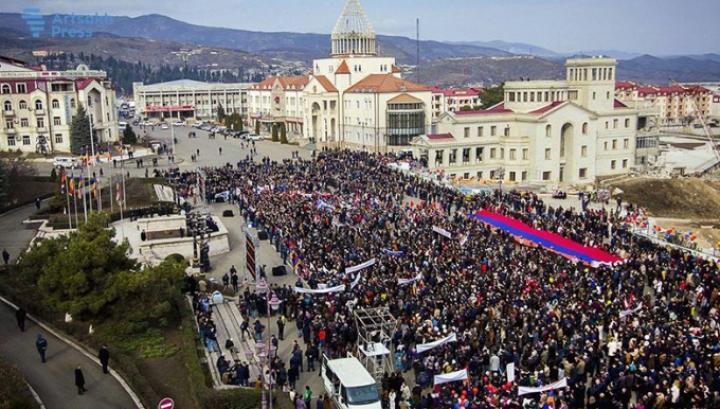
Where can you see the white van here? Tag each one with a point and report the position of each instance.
(67, 162)
(349, 384)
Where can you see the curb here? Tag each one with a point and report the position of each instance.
(35, 396)
(80, 349)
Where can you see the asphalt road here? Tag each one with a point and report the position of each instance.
(54, 381)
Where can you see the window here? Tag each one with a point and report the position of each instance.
(613, 165)
(594, 95)
(627, 122)
(585, 128)
(512, 176)
(23, 122)
(492, 153)
(466, 156)
(493, 130)
(55, 103)
(9, 124)
(583, 151)
(546, 175)
(607, 125)
(607, 95)
(22, 104)
(26, 139)
(439, 157)
(20, 88)
(614, 144)
(626, 143)
(548, 153)
(478, 154)
(479, 131)
(466, 175)
(625, 163)
(479, 175)
(615, 123)
(512, 154)
(11, 141)
(38, 104)
(467, 132)
(5, 89)
(58, 138)
(56, 121)
(605, 145)
(7, 105)
(41, 122)
(506, 132)
(524, 175)
(453, 156)
(525, 153)
(502, 153)
(582, 173)
(548, 130)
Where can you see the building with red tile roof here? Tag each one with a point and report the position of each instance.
(454, 99)
(37, 106)
(672, 104)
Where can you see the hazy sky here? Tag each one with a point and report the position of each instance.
(649, 26)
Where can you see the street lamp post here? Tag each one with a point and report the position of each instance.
(273, 302)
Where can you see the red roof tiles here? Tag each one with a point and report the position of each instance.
(440, 136)
(385, 83)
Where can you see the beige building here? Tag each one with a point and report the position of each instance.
(184, 99)
(353, 98)
(670, 105)
(568, 132)
(454, 99)
(38, 106)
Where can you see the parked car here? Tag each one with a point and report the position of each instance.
(65, 162)
(164, 126)
(240, 134)
(179, 123)
(254, 137)
(197, 124)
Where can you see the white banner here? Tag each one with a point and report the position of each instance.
(420, 348)
(406, 281)
(510, 371)
(356, 281)
(450, 377)
(337, 289)
(442, 232)
(625, 313)
(524, 390)
(360, 266)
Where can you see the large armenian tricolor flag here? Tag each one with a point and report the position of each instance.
(551, 241)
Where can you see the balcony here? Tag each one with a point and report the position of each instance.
(10, 131)
(9, 112)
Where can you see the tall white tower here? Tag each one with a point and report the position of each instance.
(353, 34)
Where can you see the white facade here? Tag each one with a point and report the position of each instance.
(38, 106)
(189, 99)
(451, 100)
(669, 105)
(353, 98)
(570, 131)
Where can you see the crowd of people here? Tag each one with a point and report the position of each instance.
(643, 334)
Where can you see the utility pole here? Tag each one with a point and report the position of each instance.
(417, 54)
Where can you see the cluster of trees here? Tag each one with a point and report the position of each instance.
(234, 122)
(279, 132)
(493, 95)
(124, 73)
(79, 131)
(129, 137)
(91, 277)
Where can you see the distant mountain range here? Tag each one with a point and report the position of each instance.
(155, 39)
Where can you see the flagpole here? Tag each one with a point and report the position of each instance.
(84, 197)
(124, 205)
(111, 178)
(67, 197)
(89, 179)
(75, 192)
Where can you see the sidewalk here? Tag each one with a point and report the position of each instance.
(54, 381)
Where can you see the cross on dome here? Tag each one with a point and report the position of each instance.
(353, 34)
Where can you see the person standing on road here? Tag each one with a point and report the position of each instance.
(41, 345)
(220, 150)
(80, 380)
(307, 396)
(104, 356)
(37, 203)
(6, 256)
(20, 316)
(234, 281)
(281, 326)
(197, 153)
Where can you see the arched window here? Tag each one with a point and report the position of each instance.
(72, 103)
(548, 130)
(585, 128)
(38, 104)
(5, 88)
(7, 106)
(22, 104)
(55, 103)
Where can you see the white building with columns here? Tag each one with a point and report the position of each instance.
(352, 98)
(550, 132)
(37, 106)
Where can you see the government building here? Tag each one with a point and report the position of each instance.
(38, 106)
(183, 99)
(547, 132)
(354, 98)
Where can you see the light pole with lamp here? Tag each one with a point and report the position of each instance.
(273, 302)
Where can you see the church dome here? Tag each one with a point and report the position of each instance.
(353, 34)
